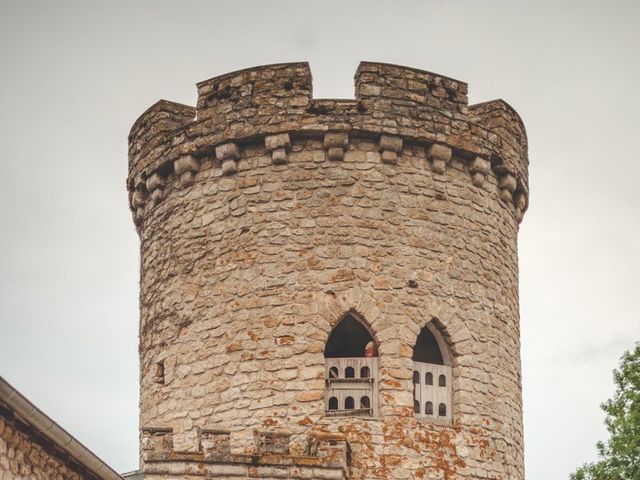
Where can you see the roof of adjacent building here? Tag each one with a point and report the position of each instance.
(26, 412)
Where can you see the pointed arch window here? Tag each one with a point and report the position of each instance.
(351, 369)
(432, 362)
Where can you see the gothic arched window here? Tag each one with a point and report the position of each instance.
(351, 350)
(431, 359)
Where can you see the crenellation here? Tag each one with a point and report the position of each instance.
(504, 122)
(327, 458)
(275, 100)
(156, 440)
(154, 128)
(272, 442)
(214, 441)
(235, 100)
(392, 87)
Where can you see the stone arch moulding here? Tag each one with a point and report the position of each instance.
(447, 330)
(333, 307)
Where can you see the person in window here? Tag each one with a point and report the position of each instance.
(370, 350)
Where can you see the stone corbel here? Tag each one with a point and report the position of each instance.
(228, 154)
(335, 144)
(185, 167)
(390, 146)
(507, 185)
(138, 199)
(520, 200)
(479, 169)
(154, 184)
(439, 155)
(279, 146)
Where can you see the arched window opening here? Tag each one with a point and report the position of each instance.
(428, 408)
(416, 377)
(416, 407)
(351, 369)
(431, 359)
(333, 403)
(348, 339)
(427, 349)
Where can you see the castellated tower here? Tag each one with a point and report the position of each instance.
(329, 288)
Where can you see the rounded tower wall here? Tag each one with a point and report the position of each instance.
(264, 220)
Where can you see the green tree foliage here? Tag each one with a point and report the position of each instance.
(620, 455)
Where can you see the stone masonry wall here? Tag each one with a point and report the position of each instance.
(22, 458)
(271, 215)
(271, 459)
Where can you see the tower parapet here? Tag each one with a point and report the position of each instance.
(325, 458)
(344, 271)
(263, 102)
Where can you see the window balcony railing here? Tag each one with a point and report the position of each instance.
(351, 386)
(432, 391)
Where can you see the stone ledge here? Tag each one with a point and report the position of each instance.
(148, 192)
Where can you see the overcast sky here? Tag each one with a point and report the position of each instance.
(75, 76)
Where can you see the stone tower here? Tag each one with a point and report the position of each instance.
(329, 288)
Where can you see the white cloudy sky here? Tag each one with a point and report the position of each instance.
(75, 75)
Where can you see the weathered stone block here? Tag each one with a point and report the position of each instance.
(480, 165)
(390, 143)
(138, 199)
(272, 442)
(332, 448)
(390, 157)
(508, 182)
(335, 154)
(156, 439)
(280, 141)
(215, 441)
(279, 156)
(185, 164)
(336, 140)
(438, 151)
(229, 167)
(154, 182)
(227, 151)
